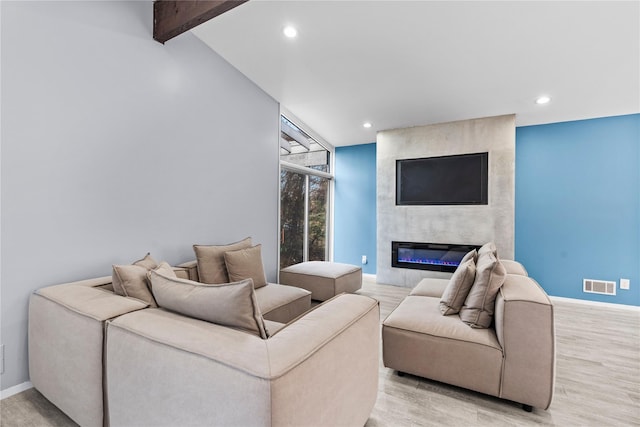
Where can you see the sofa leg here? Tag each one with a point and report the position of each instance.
(527, 408)
(400, 373)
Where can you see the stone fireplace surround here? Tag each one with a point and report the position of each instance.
(465, 225)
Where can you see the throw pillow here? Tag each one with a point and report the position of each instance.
(478, 308)
(210, 261)
(458, 288)
(146, 262)
(246, 264)
(472, 254)
(227, 304)
(131, 280)
(488, 247)
(165, 269)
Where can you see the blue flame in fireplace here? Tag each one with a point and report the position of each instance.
(429, 257)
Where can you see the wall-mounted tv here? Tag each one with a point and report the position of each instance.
(447, 180)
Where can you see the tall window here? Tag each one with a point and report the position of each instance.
(304, 196)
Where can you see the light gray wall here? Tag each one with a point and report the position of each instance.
(114, 145)
(445, 224)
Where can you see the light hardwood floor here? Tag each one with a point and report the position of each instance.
(597, 377)
(597, 380)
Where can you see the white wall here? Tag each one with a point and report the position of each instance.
(114, 145)
(473, 225)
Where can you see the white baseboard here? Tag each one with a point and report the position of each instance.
(15, 390)
(596, 303)
(372, 277)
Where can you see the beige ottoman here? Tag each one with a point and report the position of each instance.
(323, 279)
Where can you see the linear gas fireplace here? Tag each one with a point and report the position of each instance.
(428, 256)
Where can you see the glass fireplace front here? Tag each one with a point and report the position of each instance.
(428, 256)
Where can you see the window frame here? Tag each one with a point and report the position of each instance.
(283, 164)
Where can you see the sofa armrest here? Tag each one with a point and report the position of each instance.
(181, 272)
(88, 299)
(524, 322)
(514, 267)
(192, 269)
(331, 357)
(66, 334)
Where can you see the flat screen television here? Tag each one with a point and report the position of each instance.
(447, 180)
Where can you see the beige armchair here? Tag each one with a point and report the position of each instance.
(514, 359)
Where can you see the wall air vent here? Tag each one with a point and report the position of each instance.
(599, 287)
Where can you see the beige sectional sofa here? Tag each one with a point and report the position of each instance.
(513, 359)
(106, 359)
(320, 370)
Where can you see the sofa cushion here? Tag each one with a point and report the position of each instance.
(478, 308)
(210, 259)
(458, 288)
(430, 287)
(131, 280)
(281, 303)
(229, 304)
(420, 341)
(246, 264)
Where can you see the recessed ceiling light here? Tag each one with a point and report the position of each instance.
(290, 31)
(367, 125)
(544, 99)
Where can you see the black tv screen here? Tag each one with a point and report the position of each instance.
(448, 180)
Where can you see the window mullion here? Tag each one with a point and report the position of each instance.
(305, 244)
(304, 170)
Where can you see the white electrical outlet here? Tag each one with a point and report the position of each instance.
(624, 283)
(364, 259)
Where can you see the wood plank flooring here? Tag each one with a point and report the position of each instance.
(597, 377)
(597, 380)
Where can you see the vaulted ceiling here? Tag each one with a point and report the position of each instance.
(405, 63)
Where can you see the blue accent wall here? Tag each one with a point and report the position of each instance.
(578, 205)
(355, 206)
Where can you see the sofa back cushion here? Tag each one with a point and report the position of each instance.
(458, 288)
(210, 259)
(478, 307)
(246, 264)
(228, 304)
(131, 280)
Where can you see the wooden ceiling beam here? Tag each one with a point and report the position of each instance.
(171, 18)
